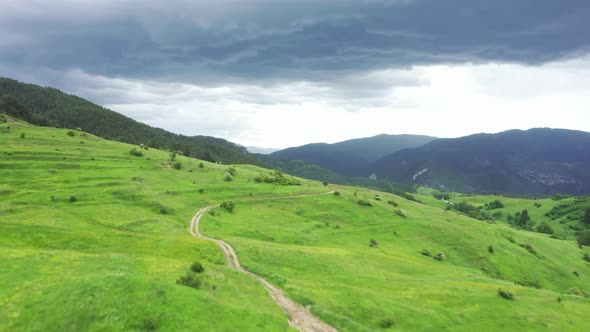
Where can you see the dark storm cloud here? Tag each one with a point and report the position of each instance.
(270, 41)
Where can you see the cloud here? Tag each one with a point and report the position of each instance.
(267, 72)
(262, 40)
(439, 100)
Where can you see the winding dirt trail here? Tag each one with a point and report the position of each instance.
(301, 318)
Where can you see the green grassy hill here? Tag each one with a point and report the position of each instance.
(51, 107)
(95, 238)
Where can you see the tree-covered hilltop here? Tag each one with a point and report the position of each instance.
(51, 107)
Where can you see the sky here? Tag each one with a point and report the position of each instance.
(284, 73)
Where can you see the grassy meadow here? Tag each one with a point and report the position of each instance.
(319, 250)
(93, 238)
(108, 258)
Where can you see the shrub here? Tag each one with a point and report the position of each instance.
(576, 273)
(426, 252)
(197, 267)
(71, 133)
(165, 210)
(232, 171)
(377, 197)
(136, 152)
(505, 294)
(529, 248)
(496, 204)
(544, 228)
(201, 191)
(325, 183)
(172, 156)
(440, 256)
(491, 249)
(201, 165)
(558, 197)
(363, 202)
(336, 193)
(73, 199)
(189, 280)
(392, 203)
(527, 283)
(227, 177)
(228, 206)
(22, 135)
(442, 195)
(584, 238)
(177, 165)
(401, 213)
(277, 177)
(386, 323)
(373, 243)
(586, 257)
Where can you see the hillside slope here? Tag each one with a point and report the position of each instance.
(353, 157)
(93, 237)
(536, 161)
(53, 107)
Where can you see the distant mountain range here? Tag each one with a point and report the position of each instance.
(353, 157)
(255, 149)
(536, 161)
(533, 162)
(51, 107)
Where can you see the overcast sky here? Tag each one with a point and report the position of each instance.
(288, 72)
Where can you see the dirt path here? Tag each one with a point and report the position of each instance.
(301, 318)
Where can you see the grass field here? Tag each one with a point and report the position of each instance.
(94, 238)
(109, 260)
(318, 249)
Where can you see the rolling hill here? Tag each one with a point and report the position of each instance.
(49, 106)
(538, 161)
(94, 236)
(352, 157)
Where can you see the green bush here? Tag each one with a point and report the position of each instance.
(386, 323)
(336, 193)
(136, 152)
(201, 165)
(401, 213)
(373, 243)
(544, 228)
(496, 204)
(190, 280)
(165, 210)
(426, 252)
(71, 133)
(197, 267)
(22, 135)
(177, 165)
(73, 199)
(228, 206)
(392, 203)
(505, 294)
(584, 238)
(363, 202)
(586, 257)
(228, 177)
(491, 249)
(440, 256)
(529, 248)
(232, 171)
(377, 197)
(277, 177)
